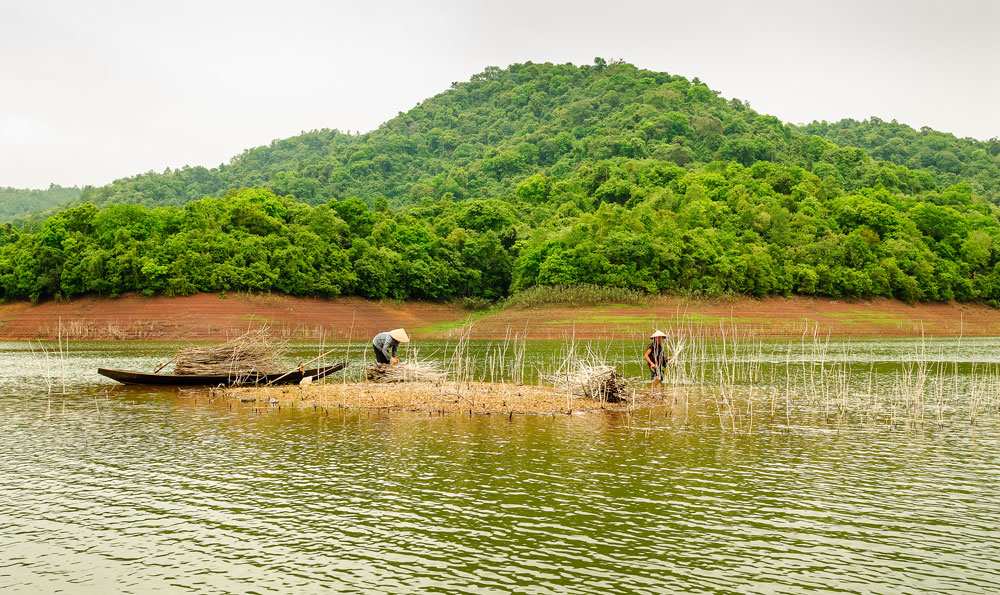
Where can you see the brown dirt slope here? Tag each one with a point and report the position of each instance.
(210, 316)
(771, 317)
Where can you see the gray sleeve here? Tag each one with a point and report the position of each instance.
(382, 342)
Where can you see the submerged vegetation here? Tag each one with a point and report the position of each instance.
(731, 379)
(728, 377)
(541, 175)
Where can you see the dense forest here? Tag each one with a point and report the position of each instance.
(18, 202)
(544, 174)
(950, 159)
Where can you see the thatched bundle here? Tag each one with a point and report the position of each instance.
(411, 371)
(595, 381)
(377, 372)
(247, 355)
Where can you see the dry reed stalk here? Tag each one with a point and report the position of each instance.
(409, 371)
(590, 376)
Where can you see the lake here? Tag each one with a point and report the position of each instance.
(131, 490)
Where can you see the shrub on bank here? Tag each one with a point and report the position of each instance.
(575, 295)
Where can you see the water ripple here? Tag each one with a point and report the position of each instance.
(141, 491)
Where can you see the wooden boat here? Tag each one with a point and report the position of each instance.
(130, 377)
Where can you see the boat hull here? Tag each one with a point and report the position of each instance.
(145, 378)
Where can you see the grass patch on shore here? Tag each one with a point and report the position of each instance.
(257, 318)
(575, 295)
(651, 320)
(864, 317)
(449, 326)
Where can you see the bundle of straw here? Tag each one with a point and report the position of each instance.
(410, 371)
(595, 381)
(249, 354)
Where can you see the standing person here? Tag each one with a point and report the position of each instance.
(385, 345)
(656, 356)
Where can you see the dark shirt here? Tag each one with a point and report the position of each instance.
(657, 353)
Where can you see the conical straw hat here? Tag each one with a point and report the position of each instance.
(658, 334)
(399, 335)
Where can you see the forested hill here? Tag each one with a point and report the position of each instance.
(948, 158)
(481, 137)
(537, 175)
(17, 202)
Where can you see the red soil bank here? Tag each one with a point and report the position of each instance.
(771, 317)
(210, 316)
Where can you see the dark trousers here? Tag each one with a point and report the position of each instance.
(379, 356)
(658, 371)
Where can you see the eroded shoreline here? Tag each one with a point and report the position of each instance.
(215, 316)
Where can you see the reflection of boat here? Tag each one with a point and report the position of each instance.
(129, 377)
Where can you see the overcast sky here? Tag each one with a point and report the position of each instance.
(92, 91)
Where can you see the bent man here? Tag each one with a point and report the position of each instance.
(656, 356)
(385, 345)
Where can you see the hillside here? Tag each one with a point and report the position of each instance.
(537, 175)
(481, 137)
(18, 202)
(949, 159)
(208, 316)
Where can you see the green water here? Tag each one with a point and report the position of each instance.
(132, 490)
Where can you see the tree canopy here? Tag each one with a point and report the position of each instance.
(18, 202)
(542, 174)
(483, 137)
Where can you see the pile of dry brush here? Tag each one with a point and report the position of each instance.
(595, 381)
(411, 371)
(250, 354)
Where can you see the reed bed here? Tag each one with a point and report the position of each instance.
(490, 382)
(727, 373)
(741, 378)
(88, 330)
(429, 397)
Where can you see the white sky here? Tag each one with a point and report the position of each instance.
(92, 91)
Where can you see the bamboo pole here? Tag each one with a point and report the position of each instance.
(301, 366)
